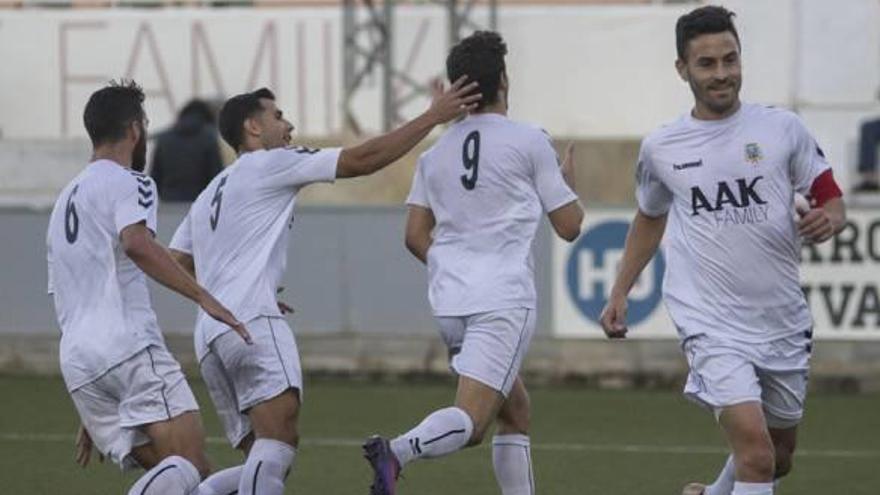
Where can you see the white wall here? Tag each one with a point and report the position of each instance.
(581, 71)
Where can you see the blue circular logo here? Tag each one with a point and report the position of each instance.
(592, 267)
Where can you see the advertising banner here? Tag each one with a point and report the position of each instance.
(840, 279)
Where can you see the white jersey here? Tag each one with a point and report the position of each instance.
(237, 231)
(487, 181)
(731, 242)
(101, 296)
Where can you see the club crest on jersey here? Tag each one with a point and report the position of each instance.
(753, 153)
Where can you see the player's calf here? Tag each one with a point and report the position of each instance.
(784, 443)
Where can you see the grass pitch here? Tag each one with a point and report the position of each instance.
(584, 442)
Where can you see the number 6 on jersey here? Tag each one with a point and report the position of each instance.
(470, 157)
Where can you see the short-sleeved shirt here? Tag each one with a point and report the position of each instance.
(237, 230)
(101, 296)
(731, 241)
(487, 181)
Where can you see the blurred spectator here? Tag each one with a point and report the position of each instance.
(869, 139)
(187, 155)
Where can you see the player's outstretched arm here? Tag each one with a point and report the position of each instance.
(642, 241)
(157, 263)
(381, 151)
(419, 225)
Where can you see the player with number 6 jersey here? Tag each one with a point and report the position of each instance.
(130, 393)
(476, 202)
(235, 240)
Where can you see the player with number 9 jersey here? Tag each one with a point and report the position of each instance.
(475, 206)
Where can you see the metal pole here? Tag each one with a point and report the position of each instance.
(388, 98)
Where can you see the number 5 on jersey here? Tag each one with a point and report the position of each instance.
(215, 202)
(470, 158)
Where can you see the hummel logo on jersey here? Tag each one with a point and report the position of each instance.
(683, 166)
(741, 195)
(145, 193)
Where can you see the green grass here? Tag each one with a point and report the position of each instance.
(580, 442)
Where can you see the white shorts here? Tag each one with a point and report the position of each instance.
(240, 376)
(147, 388)
(724, 373)
(489, 347)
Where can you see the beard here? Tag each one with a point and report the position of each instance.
(139, 154)
(717, 106)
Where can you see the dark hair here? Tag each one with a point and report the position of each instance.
(238, 109)
(199, 109)
(480, 56)
(111, 109)
(710, 19)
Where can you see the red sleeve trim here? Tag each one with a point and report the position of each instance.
(824, 189)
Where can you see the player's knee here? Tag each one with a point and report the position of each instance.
(758, 462)
(202, 465)
(478, 434)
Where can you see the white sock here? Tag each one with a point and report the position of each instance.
(442, 432)
(222, 482)
(512, 458)
(266, 467)
(173, 476)
(723, 485)
(743, 488)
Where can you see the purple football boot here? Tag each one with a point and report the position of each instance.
(386, 469)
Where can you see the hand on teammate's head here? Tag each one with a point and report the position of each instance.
(458, 100)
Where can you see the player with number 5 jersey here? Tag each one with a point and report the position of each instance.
(235, 240)
(476, 202)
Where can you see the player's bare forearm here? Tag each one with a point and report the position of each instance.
(379, 152)
(185, 260)
(420, 249)
(419, 225)
(836, 210)
(642, 241)
(155, 260)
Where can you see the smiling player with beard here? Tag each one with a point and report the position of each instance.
(726, 175)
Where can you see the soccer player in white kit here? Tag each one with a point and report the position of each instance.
(130, 393)
(725, 175)
(235, 240)
(476, 201)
